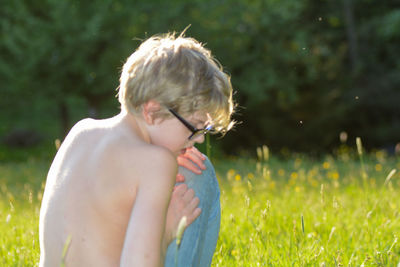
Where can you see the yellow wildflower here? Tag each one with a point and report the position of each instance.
(234, 252)
(335, 175)
(326, 165)
(378, 167)
(238, 177)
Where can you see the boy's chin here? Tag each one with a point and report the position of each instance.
(179, 152)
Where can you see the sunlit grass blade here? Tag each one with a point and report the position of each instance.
(179, 235)
(65, 250)
(389, 177)
(360, 154)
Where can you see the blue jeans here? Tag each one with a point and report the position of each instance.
(200, 238)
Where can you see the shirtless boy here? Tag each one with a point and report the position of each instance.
(110, 189)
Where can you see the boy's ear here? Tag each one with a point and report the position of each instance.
(150, 108)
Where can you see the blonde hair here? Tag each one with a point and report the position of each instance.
(180, 74)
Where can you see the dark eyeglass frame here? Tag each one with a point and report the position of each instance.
(195, 131)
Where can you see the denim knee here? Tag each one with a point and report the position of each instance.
(205, 185)
(200, 238)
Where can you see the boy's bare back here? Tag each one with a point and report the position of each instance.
(91, 188)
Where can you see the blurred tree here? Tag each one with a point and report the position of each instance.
(304, 70)
(374, 94)
(288, 57)
(66, 48)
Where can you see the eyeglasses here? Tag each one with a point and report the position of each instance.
(195, 131)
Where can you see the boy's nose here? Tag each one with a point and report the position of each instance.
(199, 139)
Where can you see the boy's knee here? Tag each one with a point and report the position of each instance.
(209, 166)
(204, 184)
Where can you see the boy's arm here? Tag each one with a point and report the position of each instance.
(144, 243)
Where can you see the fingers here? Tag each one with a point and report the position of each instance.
(184, 203)
(179, 178)
(192, 160)
(193, 204)
(188, 196)
(193, 216)
(188, 164)
(180, 189)
(196, 156)
(197, 152)
(188, 202)
(191, 210)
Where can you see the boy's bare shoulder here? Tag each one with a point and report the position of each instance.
(79, 128)
(150, 162)
(121, 153)
(88, 124)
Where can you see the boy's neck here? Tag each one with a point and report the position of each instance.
(136, 125)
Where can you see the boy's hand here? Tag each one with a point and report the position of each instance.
(183, 203)
(192, 159)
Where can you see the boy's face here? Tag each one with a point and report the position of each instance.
(172, 134)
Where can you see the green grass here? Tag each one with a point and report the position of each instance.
(290, 211)
(20, 196)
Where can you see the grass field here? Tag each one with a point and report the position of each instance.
(287, 211)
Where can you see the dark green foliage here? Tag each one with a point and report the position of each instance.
(303, 70)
